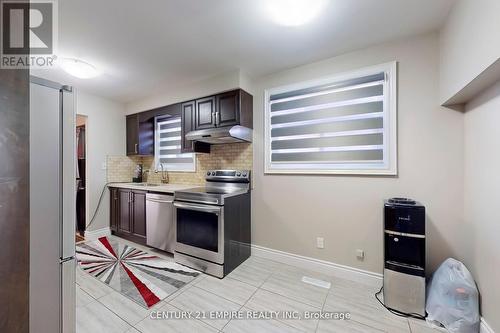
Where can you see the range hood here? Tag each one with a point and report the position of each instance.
(218, 135)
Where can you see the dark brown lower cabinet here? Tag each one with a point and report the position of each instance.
(138, 208)
(113, 211)
(128, 214)
(124, 211)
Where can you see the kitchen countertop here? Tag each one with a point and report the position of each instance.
(164, 188)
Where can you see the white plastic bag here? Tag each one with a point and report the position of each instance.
(452, 298)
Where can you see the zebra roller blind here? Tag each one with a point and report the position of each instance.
(339, 125)
(168, 146)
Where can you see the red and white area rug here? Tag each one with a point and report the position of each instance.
(136, 274)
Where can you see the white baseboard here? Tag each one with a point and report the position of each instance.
(95, 234)
(320, 266)
(484, 327)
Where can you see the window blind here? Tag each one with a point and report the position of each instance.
(337, 125)
(168, 146)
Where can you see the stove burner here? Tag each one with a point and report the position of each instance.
(220, 184)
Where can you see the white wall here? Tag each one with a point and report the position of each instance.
(290, 211)
(105, 133)
(469, 43)
(481, 249)
(209, 86)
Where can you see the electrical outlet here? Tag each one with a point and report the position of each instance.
(320, 242)
(360, 254)
(104, 166)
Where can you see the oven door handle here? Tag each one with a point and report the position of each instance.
(201, 208)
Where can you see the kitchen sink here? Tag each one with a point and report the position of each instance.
(143, 184)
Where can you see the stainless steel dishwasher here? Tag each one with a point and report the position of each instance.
(160, 231)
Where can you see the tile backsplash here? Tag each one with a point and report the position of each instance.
(227, 156)
(121, 168)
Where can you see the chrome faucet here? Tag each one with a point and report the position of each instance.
(144, 177)
(164, 174)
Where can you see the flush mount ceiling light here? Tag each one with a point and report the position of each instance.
(293, 12)
(78, 68)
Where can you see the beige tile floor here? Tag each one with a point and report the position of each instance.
(257, 285)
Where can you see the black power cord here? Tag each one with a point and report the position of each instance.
(99, 203)
(396, 312)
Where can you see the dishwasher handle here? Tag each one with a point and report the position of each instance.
(160, 198)
(159, 201)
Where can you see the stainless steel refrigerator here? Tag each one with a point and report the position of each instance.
(52, 293)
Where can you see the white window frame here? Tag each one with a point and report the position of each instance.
(389, 166)
(185, 167)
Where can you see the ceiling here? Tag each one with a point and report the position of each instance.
(145, 47)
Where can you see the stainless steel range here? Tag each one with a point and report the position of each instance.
(213, 223)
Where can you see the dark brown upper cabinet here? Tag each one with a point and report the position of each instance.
(228, 109)
(205, 113)
(132, 134)
(187, 120)
(140, 136)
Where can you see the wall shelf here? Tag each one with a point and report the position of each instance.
(483, 81)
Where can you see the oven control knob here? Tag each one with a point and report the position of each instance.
(208, 173)
(213, 173)
(238, 174)
(244, 174)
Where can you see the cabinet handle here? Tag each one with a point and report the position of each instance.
(217, 118)
(135, 148)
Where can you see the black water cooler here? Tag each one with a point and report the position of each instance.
(404, 259)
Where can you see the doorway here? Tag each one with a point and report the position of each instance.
(81, 176)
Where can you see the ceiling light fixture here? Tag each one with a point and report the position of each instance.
(78, 68)
(293, 12)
